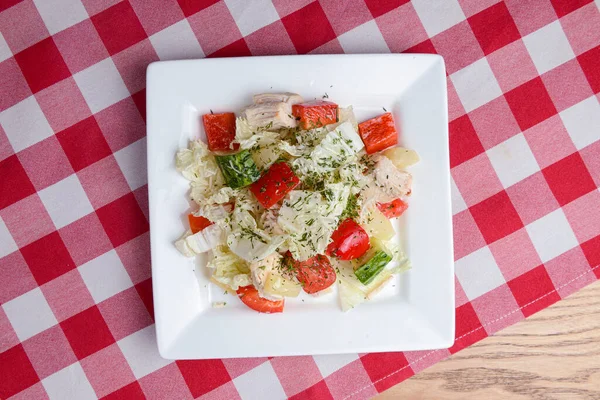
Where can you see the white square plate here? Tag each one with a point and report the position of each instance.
(416, 312)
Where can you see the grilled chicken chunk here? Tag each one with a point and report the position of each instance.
(272, 111)
(391, 180)
(289, 98)
(271, 116)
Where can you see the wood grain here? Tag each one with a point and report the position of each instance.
(554, 354)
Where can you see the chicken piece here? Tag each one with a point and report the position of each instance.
(270, 116)
(289, 98)
(391, 180)
(372, 194)
(268, 221)
(260, 270)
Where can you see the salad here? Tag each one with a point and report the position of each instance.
(295, 196)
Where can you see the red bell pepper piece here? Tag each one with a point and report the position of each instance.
(315, 114)
(278, 181)
(393, 209)
(220, 131)
(378, 133)
(198, 223)
(349, 241)
(250, 297)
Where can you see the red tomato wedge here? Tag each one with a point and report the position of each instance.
(198, 223)
(315, 114)
(278, 181)
(350, 241)
(393, 209)
(315, 274)
(220, 131)
(378, 133)
(250, 297)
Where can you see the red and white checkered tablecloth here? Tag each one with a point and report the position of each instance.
(76, 315)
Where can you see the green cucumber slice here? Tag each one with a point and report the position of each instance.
(372, 263)
(238, 169)
(371, 268)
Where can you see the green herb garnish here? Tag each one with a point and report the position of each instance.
(351, 210)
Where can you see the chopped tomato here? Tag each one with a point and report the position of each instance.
(220, 131)
(315, 274)
(198, 223)
(278, 181)
(393, 209)
(378, 133)
(250, 297)
(315, 114)
(349, 241)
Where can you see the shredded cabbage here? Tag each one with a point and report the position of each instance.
(260, 138)
(214, 235)
(222, 196)
(183, 247)
(249, 138)
(296, 151)
(215, 207)
(337, 148)
(247, 240)
(243, 130)
(265, 156)
(350, 296)
(311, 138)
(309, 218)
(345, 114)
(229, 270)
(198, 165)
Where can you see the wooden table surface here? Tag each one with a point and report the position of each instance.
(554, 354)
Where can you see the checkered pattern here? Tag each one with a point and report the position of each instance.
(76, 315)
